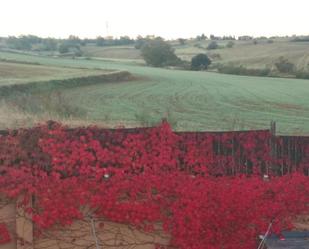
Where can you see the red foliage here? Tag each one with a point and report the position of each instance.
(4, 235)
(149, 176)
(292, 155)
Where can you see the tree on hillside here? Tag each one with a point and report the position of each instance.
(23, 42)
(200, 62)
(140, 41)
(201, 37)
(100, 41)
(158, 53)
(182, 41)
(49, 44)
(124, 40)
(74, 40)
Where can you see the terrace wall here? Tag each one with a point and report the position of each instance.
(77, 236)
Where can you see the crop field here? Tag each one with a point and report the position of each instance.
(112, 52)
(189, 100)
(251, 55)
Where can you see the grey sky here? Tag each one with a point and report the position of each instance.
(170, 19)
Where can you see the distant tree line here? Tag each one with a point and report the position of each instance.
(71, 45)
(246, 38)
(300, 39)
(109, 41)
(31, 42)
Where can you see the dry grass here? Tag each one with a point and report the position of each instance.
(13, 118)
(249, 55)
(117, 52)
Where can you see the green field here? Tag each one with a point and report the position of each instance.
(190, 100)
(12, 73)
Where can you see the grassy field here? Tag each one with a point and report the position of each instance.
(190, 100)
(17, 73)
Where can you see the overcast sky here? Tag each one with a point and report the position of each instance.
(166, 18)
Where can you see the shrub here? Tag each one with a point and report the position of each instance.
(212, 45)
(302, 75)
(284, 66)
(241, 70)
(182, 41)
(100, 41)
(63, 48)
(200, 62)
(230, 44)
(197, 45)
(214, 56)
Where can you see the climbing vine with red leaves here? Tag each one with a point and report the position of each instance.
(4, 234)
(204, 188)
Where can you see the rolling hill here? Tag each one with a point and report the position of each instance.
(190, 100)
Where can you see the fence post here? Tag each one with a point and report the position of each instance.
(24, 228)
(272, 143)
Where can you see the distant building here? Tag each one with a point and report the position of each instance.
(245, 38)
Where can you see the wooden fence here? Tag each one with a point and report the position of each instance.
(287, 153)
(276, 154)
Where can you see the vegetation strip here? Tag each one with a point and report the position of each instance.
(36, 87)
